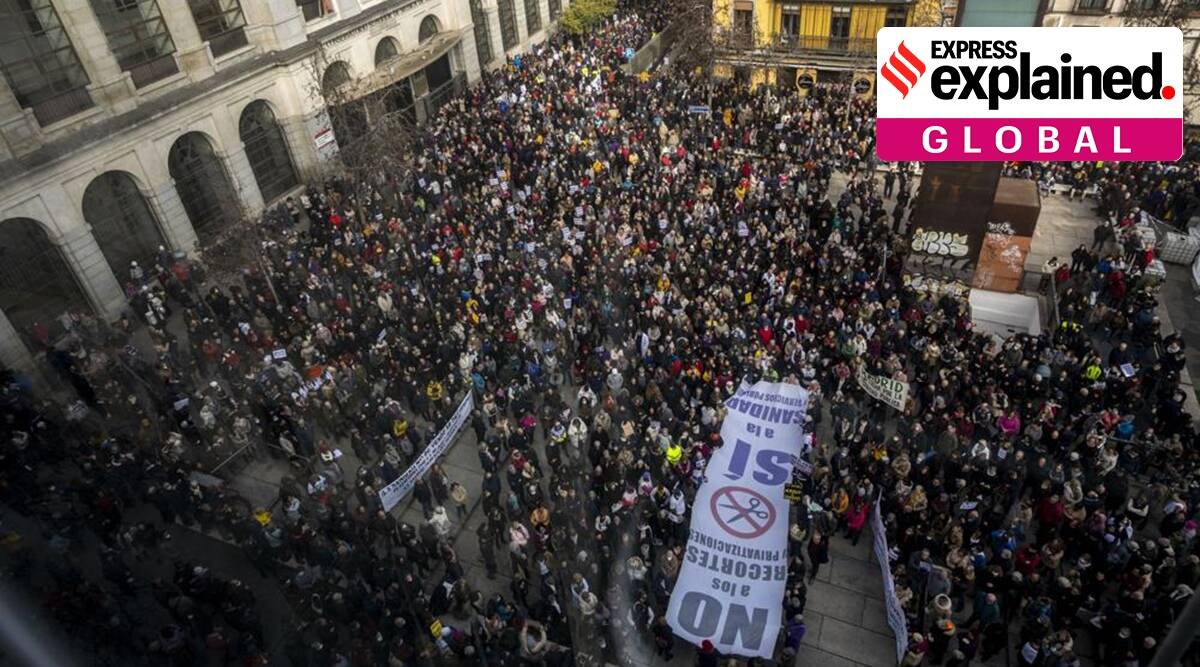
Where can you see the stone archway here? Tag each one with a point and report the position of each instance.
(122, 222)
(203, 185)
(429, 29)
(37, 284)
(266, 150)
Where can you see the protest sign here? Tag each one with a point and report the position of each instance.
(392, 494)
(730, 587)
(885, 389)
(895, 612)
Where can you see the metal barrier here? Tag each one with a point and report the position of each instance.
(1052, 294)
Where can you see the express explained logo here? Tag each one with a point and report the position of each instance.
(903, 69)
(1030, 94)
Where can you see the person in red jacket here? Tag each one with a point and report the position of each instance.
(1027, 560)
(1050, 515)
(856, 519)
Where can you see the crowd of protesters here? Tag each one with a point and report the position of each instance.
(601, 268)
(1166, 190)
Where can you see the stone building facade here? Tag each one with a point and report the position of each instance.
(126, 125)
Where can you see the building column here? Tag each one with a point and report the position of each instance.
(274, 24)
(544, 14)
(348, 8)
(243, 179)
(82, 253)
(470, 61)
(19, 131)
(522, 26)
(172, 218)
(491, 12)
(301, 146)
(13, 352)
(191, 52)
(112, 86)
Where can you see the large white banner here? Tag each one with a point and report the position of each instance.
(892, 392)
(730, 588)
(393, 493)
(895, 613)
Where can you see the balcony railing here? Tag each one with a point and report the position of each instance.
(851, 46)
(228, 41)
(738, 40)
(1092, 6)
(62, 106)
(150, 71)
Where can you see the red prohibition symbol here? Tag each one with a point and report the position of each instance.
(742, 512)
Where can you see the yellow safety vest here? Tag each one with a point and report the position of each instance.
(674, 454)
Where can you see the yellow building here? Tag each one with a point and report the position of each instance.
(783, 41)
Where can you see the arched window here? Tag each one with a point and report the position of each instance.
(508, 25)
(533, 16)
(121, 221)
(483, 33)
(208, 198)
(388, 49)
(36, 284)
(336, 76)
(429, 28)
(266, 150)
(555, 7)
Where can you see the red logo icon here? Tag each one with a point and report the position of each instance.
(903, 69)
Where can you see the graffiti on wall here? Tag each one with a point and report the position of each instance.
(937, 242)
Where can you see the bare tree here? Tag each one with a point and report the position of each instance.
(695, 38)
(371, 138)
(927, 13)
(1181, 14)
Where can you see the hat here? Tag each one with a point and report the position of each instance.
(706, 646)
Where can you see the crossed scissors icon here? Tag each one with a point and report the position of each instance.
(742, 512)
(746, 512)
